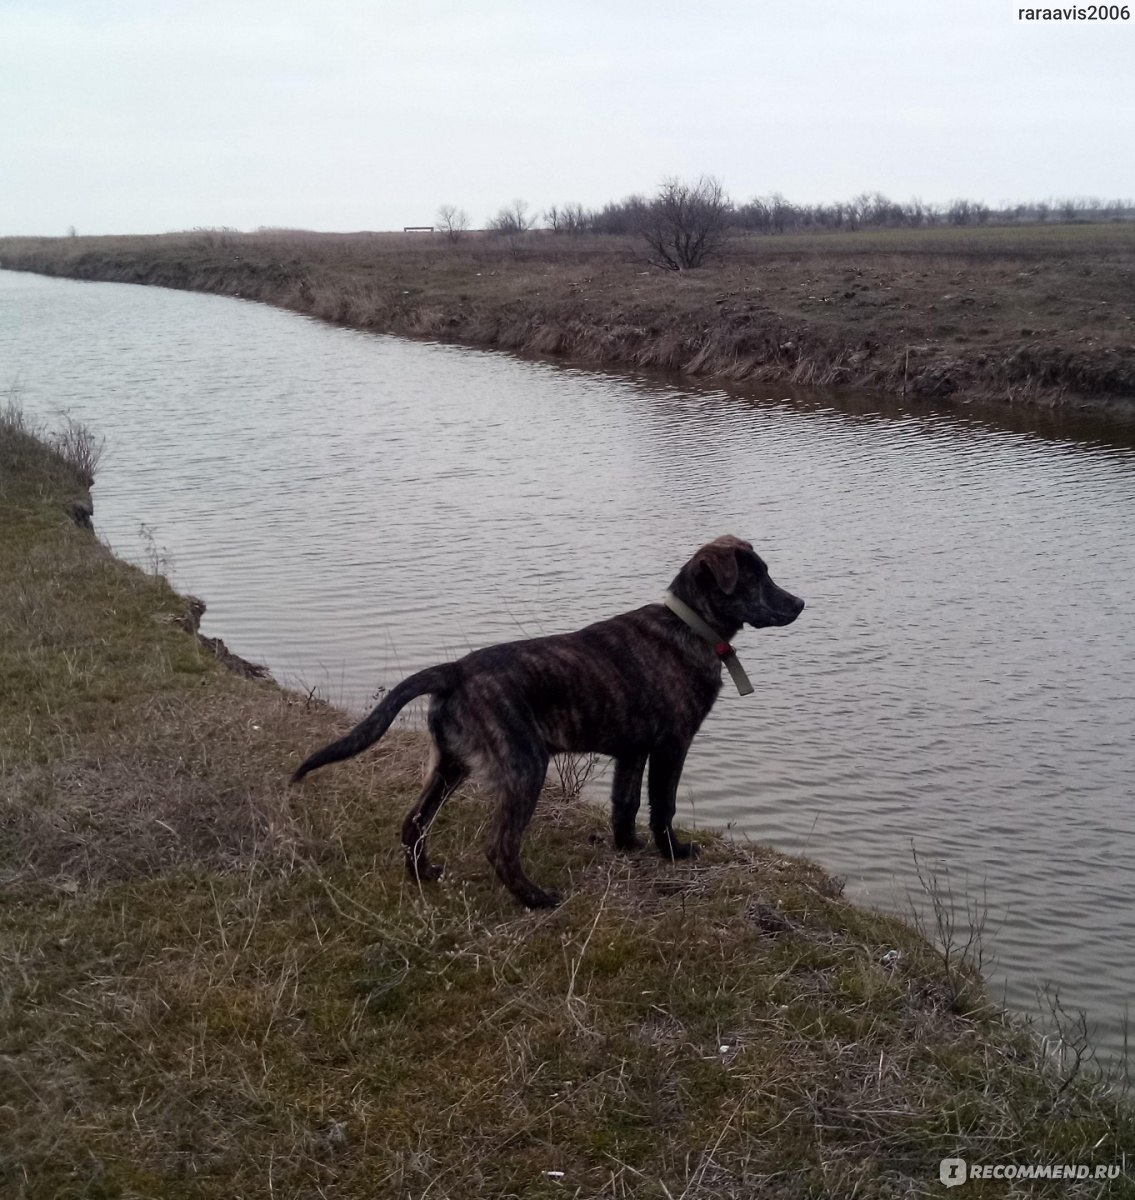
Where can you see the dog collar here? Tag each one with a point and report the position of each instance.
(721, 647)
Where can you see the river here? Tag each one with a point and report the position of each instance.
(354, 507)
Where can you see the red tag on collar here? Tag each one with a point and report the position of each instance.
(723, 649)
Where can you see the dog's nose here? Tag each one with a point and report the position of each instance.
(799, 604)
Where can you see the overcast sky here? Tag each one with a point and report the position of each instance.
(143, 116)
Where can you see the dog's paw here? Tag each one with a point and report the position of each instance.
(682, 850)
(426, 872)
(538, 898)
(627, 845)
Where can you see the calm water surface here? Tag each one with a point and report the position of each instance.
(354, 508)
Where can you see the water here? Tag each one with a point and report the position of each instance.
(355, 507)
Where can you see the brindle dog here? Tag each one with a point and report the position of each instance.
(636, 687)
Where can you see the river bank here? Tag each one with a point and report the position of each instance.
(1031, 316)
(214, 985)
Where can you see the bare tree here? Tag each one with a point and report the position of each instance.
(967, 212)
(620, 217)
(782, 213)
(1068, 209)
(570, 218)
(513, 218)
(576, 219)
(754, 215)
(685, 224)
(521, 217)
(453, 222)
(857, 209)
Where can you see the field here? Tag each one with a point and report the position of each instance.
(1028, 315)
(214, 985)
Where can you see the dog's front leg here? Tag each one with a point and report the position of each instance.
(626, 794)
(666, 762)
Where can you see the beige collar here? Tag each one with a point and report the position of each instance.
(721, 647)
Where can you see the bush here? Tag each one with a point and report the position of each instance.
(685, 224)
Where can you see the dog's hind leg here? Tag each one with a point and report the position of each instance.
(666, 764)
(626, 793)
(446, 773)
(518, 785)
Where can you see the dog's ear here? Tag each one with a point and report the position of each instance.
(720, 559)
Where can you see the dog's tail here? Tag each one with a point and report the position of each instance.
(428, 682)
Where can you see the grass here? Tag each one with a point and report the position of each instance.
(1039, 315)
(212, 985)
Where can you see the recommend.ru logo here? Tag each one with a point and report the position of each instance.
(952, 1171)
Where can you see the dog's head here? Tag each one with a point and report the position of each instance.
(728, 584)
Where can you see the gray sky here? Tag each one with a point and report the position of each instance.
(143, 116)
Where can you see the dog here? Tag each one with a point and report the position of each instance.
(635, 687)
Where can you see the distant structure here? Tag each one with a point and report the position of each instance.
(417, 229)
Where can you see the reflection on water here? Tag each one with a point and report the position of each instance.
(355, 507)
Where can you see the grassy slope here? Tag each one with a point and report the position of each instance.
(214, 986)
(1040, 315)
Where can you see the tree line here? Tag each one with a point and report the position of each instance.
(776, 214)
(685, 223)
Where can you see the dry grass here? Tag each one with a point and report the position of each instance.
(1027, 315)
(212, 985)
(77, 450)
